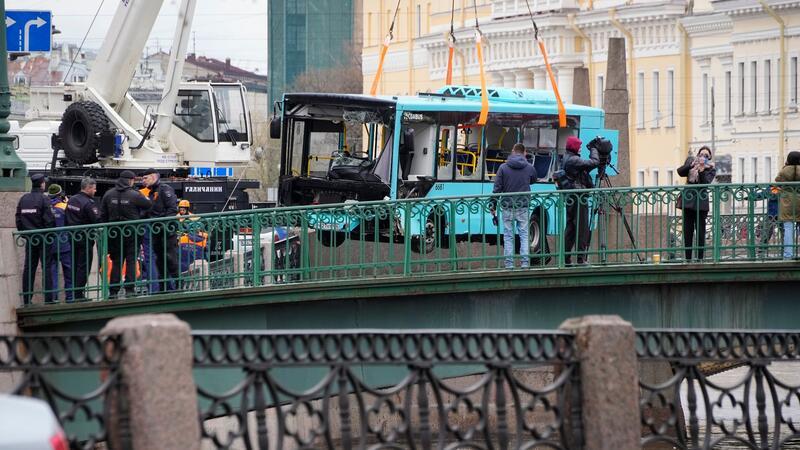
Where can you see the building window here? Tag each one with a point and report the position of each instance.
(741, 170)
(670, 98)
(793, 81)
(655, 178)
(741, 88)
(768, 168)
(640, 177)
(754, 168)
(705, 98)
(599, 91)
(419, 20)
(640, 100)
(767, 86)
(728, 96)
(656, 99)
(753, 87)
(670, 178)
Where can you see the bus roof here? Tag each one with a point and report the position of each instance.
(452, 98)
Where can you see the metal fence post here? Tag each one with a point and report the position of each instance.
(159, 391)
(605, 347)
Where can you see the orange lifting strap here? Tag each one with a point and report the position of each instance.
(484, 92)
(451, 44)
(562, 112)
(388, 40)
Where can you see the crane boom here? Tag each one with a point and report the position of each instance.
(122, 48)
(177, 56)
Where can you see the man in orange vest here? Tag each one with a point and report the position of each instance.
(193, 243)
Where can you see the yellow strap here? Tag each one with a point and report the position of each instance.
(484, 94)
(386, 42)
(451, 50)
(562, 113)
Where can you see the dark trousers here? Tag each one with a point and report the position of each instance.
(82, 249)
(694, 223)
(35, 254)
(122, 251)
(64, 259)
(577, 227)
(165, 247)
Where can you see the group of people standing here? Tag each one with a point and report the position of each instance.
(73, 250)
(516, 175)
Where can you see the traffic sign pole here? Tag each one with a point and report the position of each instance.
(13, 171)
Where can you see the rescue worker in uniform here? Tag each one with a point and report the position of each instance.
(82, 210)
(123, 203)
(193, 242)
(60, 248)
(34, 213)
(164, 238)
(148, 256)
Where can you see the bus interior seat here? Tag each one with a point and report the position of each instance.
(494, 157)
(542, 163)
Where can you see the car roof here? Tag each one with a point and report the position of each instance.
(26, 423)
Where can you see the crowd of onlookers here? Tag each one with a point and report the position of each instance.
(152, 252)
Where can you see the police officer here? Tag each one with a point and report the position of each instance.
(34, 213)
(164, 239)
(82, 210)
(577, 170)
(123, 203)
(60, 248)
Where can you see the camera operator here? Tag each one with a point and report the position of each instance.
(576, 176)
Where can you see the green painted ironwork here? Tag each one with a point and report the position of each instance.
(13, 170)
(418, 237)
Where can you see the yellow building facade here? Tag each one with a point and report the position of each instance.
(749, 55)
(576, 35)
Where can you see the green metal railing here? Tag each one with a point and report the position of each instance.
(412, 237)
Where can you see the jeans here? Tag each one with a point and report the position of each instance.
(518, 215)
(790, 229)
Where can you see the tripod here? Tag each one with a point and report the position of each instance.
(602, 180)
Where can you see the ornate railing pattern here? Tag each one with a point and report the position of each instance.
(409, 238)
(381, 389)
(51, 366)
(756, 410)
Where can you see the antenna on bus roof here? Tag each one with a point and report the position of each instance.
(562, 112)
(386, 41)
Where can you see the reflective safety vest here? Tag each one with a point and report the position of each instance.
(194, 237)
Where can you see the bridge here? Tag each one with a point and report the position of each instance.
(362, 265)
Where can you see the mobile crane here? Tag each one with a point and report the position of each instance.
(198, 138)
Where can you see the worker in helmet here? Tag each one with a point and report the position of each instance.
(149, 269)
(193, 242)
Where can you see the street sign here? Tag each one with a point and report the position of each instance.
(28, 31)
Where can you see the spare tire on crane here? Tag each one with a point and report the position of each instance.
(82, 126)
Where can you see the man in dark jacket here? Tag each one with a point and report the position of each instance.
(515, 175)
(34, 213)
(164, 238)
(82, 210)
(120, 204)
(577, 170)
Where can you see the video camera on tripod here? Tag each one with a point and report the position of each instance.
(604, 148)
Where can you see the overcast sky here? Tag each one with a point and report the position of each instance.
(223, 28)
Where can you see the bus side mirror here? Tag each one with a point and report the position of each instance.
(275, 127)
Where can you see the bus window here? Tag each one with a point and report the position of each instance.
(416, 153)
(499, 142)
(383, 168)
(297, 138)
(444, 157)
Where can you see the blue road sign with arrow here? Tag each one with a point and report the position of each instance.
(29, 31)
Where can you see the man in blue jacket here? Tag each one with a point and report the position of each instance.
(515, 175)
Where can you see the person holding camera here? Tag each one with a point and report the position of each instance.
(694, 201)
(576, 176)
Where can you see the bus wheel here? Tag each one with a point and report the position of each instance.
(433, 235)
(331, 238)
(537, 233)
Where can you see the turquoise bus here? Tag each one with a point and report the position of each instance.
(347, 148)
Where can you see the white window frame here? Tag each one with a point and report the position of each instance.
(728, 95)
(793, 81)
(599, 87)
(768, 168)
(655, 177)
(656, 100)
(640, 178)
(753, 87)
(670, 177)
(767, 86)
(754, 168)
(640, 93)
(742, 86)
(705, 97)
(742, 170)
(670, 98)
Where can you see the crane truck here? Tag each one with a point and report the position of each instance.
(199, 137)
